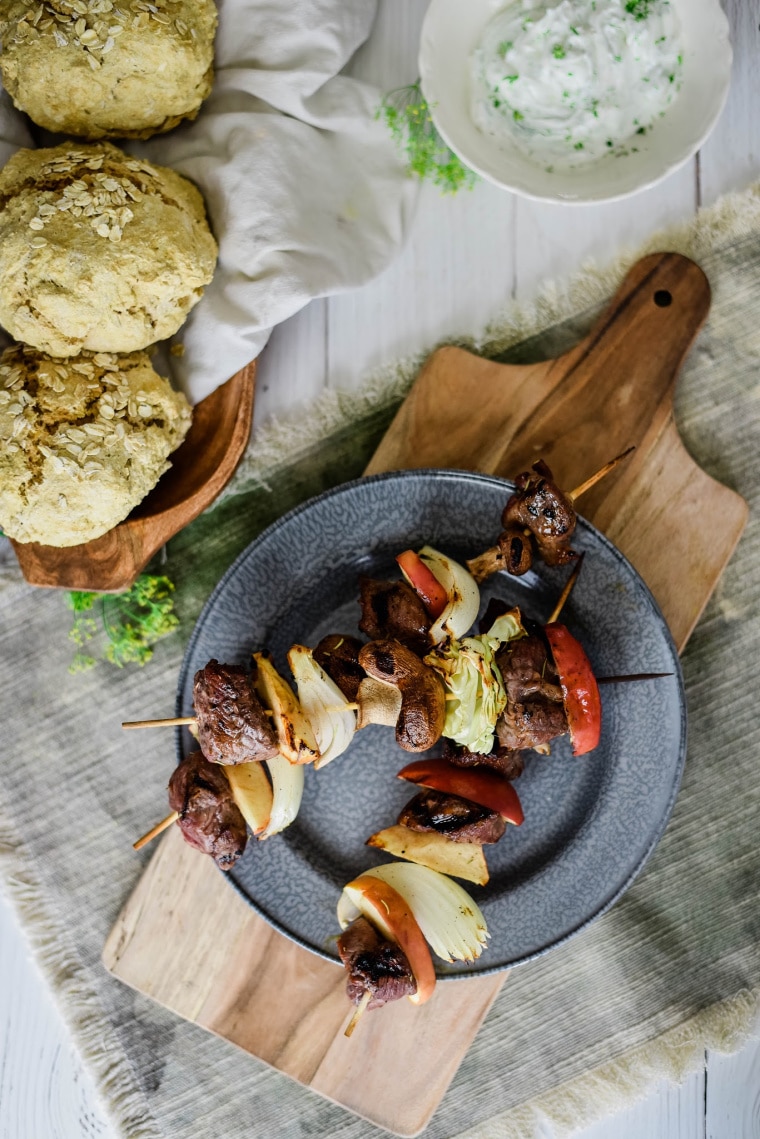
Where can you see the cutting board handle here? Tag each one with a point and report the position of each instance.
(639, 342)
(575, 411)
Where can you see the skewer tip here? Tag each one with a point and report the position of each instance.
(592, 480)
(358, 1013)
(155, 831)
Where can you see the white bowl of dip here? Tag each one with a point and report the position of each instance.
(518, 130)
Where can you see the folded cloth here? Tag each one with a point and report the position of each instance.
(305, 191)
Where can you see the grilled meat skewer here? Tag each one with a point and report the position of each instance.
(209, 817)
(392, 609)
(374, 965)
(539, 506)
(233, 726)
(460, 820)
(338, 655)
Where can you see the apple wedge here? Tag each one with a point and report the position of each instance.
(391, 914)
(294, 734)
(252, 792)
(486, 788)
(428, 848)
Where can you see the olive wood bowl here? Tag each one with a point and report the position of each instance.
(201, 467)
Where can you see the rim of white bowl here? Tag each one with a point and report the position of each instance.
(431, 58)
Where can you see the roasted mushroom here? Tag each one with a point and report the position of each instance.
(423, 699)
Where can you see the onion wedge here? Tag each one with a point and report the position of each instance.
(451, 921)
(462, 591)
(322, 701)
(287, 790)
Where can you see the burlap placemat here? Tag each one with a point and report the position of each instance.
(672, 969)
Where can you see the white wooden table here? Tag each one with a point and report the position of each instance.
(467, 257)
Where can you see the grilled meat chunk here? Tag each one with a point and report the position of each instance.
(232, 725)
(338, 655)
(209, 818)
(528, 671)
(374, 965)
(496, 608)
(509, 763)
(392, 609)
(458, 819)
(530, 725)
(540, 506)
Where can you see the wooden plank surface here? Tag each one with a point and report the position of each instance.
(43, 1090)
(280, 1003)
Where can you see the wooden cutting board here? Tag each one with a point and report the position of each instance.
(276, 1000)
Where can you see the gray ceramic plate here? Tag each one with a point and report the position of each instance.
(590, 823)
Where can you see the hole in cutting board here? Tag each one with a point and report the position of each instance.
(662, 298)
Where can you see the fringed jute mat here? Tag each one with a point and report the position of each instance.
(672, 969)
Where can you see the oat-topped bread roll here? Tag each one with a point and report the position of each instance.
(82, 441)
(99, 69)
(98, 250)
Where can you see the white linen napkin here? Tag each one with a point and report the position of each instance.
(305, 190)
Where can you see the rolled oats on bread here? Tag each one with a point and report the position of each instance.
(99, 69)
(82, 441)
(99, 251)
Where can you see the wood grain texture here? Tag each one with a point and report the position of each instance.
(612, 391)
(269, 996)
(281, 1003)
(201, 467)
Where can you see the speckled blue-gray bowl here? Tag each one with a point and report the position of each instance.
(590, 822)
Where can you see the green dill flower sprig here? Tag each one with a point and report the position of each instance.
(407, 116)
(132, 622)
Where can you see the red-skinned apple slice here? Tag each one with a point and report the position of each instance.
(483, 787)
(580, 691)
(424, 582)
(380, 904)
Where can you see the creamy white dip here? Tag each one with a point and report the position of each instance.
(568, 81)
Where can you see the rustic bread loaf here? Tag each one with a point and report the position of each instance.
(82, 441)
(99, 251)
(96, 69)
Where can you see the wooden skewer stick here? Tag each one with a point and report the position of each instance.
(358, 1013)
(631, 676)
(568, 589)
(592, 480)
(171, 723)
(156, 830)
